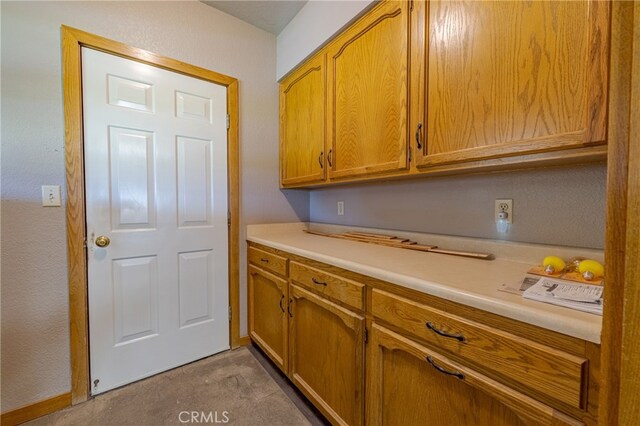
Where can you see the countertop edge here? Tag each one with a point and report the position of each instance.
(550, 321)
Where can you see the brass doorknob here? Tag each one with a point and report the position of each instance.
(102, 241)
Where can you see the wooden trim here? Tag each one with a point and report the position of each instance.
(33, 411)
(72, 41)
(529, 146)
(233, 155)
(244, 341)
(620, 335)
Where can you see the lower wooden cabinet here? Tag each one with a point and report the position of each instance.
(408, 384)
(268, 314)
(426, 361)
(327, 356)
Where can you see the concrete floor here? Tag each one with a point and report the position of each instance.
(239, 387)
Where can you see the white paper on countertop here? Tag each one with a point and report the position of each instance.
(582, 297)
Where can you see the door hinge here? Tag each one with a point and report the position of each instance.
(229, 313)
(228, 122)
(410, 5)
(366, 335)
(410, 152)
(228, 218)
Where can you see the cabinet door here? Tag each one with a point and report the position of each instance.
(267, 314)
(367, 94)
(327, 356)
(408, 384)
(302, 124)
(513, 77)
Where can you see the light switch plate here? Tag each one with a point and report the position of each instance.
(51, 195)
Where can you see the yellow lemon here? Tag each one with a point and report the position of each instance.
(553, 264)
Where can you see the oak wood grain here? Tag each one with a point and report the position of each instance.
(620, 351)
(556, 340)
(233, 182)
(268, 261)
(268, 319)
(404, 389)
(33, 411)
(543, 369)
(303, 124)
(329, 285)
(507, 78)
(327, 356)
(367, 79)
(496, 324)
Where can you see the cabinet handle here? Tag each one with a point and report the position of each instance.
(289, 308)
(315, 281)
(458, 337)
(320, 158)
(282, 300)
(418, 135)
(458, 374)
(264, 260)
(330, 158)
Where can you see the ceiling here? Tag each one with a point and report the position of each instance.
(270, 15)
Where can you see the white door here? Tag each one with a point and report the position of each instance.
(156, 186)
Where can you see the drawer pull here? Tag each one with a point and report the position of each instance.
(281, 300)
(458, 374)
(315, 281)
(458, 337)
(264, 260)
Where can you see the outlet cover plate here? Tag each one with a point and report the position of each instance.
(506, 205)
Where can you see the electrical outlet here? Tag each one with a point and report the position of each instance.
(51, 195)
(340, 208)
(504, 206)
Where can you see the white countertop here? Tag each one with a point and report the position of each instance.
(471, 282)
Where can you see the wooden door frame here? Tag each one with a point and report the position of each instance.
(72, 42)
(620, 362)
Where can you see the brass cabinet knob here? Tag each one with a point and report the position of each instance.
(102, 241)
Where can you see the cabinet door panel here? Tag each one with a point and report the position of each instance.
(267, 314)
(509, 78)
(327, 356)
(367, 94)
(404, 388)
(302, 124)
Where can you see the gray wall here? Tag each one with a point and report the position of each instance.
(560, 206)
(35, 335)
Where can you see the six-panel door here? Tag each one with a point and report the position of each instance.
(367, 95)
(268, 314)
(155, 145)
(511, 77)
(302, 125)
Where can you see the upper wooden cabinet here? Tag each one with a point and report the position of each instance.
(507, 78)
(302, 124)
(367, 82)
(459, 86)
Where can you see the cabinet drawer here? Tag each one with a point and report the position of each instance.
(341, 289)
(540, 368)
(269, 261)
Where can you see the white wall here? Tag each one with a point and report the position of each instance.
(561, 206)
(35, 334)
(316, 22)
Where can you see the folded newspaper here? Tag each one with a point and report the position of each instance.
(582, 297)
